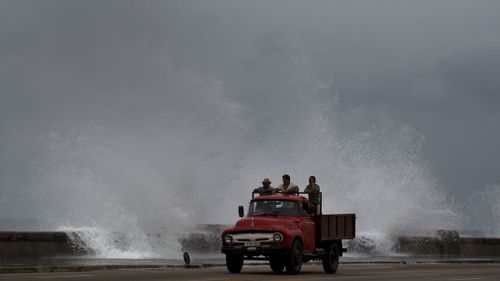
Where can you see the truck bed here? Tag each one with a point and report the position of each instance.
(337, 226)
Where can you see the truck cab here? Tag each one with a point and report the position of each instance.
(287, 231)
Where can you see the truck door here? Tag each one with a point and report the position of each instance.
(309, 231)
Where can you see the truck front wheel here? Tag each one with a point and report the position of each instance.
(277, 264)
(294, 260)
(331, 258)
(234, 262)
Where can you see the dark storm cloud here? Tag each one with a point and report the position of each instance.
(433, 65)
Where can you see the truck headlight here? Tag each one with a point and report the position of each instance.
(277, 237)
(228, 239)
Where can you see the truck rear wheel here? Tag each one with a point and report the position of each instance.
(331, 258)
(277, 264)
(293, 261)
(234, 262)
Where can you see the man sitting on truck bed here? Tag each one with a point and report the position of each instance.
(287, 187)
(265, 189)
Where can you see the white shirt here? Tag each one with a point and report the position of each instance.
(290, 186)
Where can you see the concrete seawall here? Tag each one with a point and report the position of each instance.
(19, 245)
(204, 238)
(449, 243)
(480, 247)
(444, 243)
(22, 245)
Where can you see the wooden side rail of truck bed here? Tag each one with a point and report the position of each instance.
(335, 227)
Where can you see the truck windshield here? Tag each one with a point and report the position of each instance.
(273, 207)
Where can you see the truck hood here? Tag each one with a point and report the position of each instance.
(266, 223)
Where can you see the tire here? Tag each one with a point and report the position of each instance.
(234, 262)
(331, 258)
(293, 261)
(277, 263)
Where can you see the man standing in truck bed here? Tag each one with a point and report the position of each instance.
(313, 189)
(287, 187)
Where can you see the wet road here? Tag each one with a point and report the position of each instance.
(448, 272)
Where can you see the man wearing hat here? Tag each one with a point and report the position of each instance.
(265, 189)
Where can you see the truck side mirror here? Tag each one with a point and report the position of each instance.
(241, 211)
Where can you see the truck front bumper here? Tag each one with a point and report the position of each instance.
(255, 251)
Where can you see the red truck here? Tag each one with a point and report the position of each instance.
(287, 230)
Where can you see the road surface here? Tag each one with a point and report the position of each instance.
(430, 272)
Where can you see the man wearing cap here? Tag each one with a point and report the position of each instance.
(265, 189)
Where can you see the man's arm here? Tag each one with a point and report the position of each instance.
(293, 189)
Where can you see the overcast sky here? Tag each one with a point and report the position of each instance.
(137, 73)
